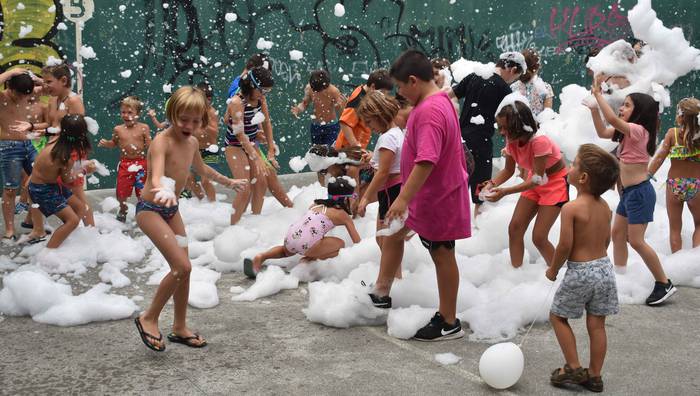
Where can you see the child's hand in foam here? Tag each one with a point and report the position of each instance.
(494, 194)
(165, 197)
(89, 167)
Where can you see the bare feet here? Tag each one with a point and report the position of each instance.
(257, 263)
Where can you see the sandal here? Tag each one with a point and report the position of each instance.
(593, 384)
(569, 376)
(248, 269)
(145, 336)
(172, 337)
(9, 239)
(36, 240)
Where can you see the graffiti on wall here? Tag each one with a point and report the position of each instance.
(27, 32)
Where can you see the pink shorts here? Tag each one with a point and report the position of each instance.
(554, 193)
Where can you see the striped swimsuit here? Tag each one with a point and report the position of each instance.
(250, 130)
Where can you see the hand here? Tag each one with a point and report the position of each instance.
(103, 143)
(397, 210)
(261, 138)
(590, 102)
(366, 157)
(597, 82)
(551, 274)
(273, 162)
(237, 184)
(361, 207)
(151, 113)
(295, 111)
(495, 194)
(15, 72)
(260, 167)
(21, 126)
(89, 167)
(164, 196)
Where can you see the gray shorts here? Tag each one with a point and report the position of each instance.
(589, 285)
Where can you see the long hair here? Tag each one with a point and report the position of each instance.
(73, 137)
(688, 110)
(532, 60)
(376, 105)
(519, 121)
(646, 114)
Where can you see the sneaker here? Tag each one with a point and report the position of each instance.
(661, 293)
(21, 207)
(383, 302)
(439, 330)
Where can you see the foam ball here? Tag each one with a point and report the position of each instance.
(501, 365)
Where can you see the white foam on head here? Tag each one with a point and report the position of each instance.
(462, 68)
(510, 100)
(515, 57)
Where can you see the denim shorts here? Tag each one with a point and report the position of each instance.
(590, 285)
(637, 203)
(15, 156)
(51, 198)
(324, 134)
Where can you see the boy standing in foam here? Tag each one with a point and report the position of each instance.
(590, 279)
(481, 98)
(435, 192)
(132, 138)
(170, 157)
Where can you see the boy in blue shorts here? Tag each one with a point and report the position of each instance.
(589, 282)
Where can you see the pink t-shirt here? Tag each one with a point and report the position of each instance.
(633, 148)
(538, 146)
(440, 209)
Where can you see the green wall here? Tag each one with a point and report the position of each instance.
(165, 45)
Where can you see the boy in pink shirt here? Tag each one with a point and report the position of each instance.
(435, 192)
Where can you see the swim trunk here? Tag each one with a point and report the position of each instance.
(51, 197)
(129, 180)
(554, 193)
(165, 213)
(590, 285)
(637, 203)
(435, 245)
(324, 133)
(684, 188)
(15, 156)
(40, 143)
(386, 197)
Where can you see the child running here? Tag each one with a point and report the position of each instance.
(132, 138)
(56, 161)
(434, 192)
(307, 236)
(682, 146)
(589, 282)
(635, 128)
(543, 192)
(170, 156)
(378, 112)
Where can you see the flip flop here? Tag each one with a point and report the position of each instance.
(145, 336)
(9, 239)
(172, 337)
(31, 226)
(248, 269)
(36, 240)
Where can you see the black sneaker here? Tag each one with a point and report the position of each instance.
(439, 330)
(380, 302)
(661, 293)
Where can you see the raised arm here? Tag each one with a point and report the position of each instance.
(616, 122)
(152, 114)
(301, 107)
(661, 153)
(112, 143)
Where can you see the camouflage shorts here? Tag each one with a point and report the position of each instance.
(590, 285)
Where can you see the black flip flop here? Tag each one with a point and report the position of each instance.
(36, 240)
(172, 337)
(31, 226)
(145, 336)
(248, 269)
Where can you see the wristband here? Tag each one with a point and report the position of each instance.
(31, 126)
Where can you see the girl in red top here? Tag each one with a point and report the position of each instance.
(544, 191)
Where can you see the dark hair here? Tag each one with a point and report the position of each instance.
(21, 84)
(519, 121)
(412, 63)
(532, 60)
(258, 60)
(594, 51)
(353, 154)
(646, 114)
(600, 166)
(440, 63)
(206, 88)
(319, 80)
(256, 78)
(403, 102)
(339, 191)
(507, 64)
(381, 79)
(73, 137)
(59, 71)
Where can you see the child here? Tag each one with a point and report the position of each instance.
(481, 98)
(58, 83)
(208, 137)
(56, 161)
(538, 93)
(378, 112)
(590, 280)
(434, 192)
(132, 138)
(308, 235)
(545, 189)
(170, 156)
(327, 101)
(682, 145)
(635, 128)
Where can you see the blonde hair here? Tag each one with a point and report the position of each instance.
(187, 98)
(688, 110)
(134, 102)
(378, 106)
